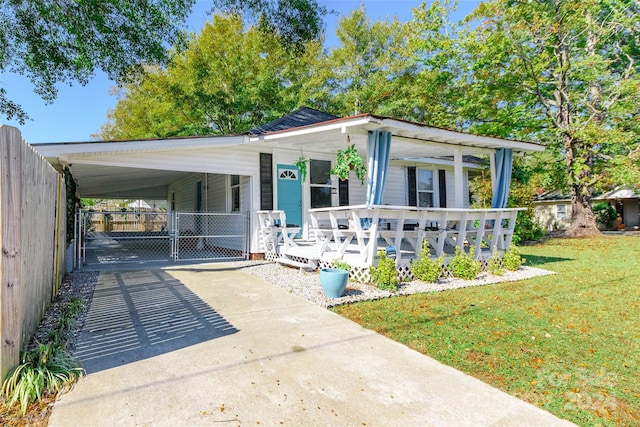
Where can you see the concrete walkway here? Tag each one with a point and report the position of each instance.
(211, 345)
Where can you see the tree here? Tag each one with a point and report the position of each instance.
(562, 72)
(369, 71)
(229, 80)
(66, 41)
(297, 22)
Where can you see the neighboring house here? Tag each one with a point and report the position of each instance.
(553, 209)
(427, 167)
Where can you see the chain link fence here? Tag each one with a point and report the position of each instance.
(142, 237)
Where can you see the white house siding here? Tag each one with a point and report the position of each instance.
(395, 190)
(451, 190)
(357, 191)
(216, 193)
(185, 193)
(547, 215)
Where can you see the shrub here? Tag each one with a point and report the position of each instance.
(424, 268)
(512, 260)
(464, 265)
(385, 275)
(46, 369)
(495, 265)
(605, 215)
(527, 228)
(340, 264)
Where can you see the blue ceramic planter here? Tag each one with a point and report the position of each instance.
(334, 281)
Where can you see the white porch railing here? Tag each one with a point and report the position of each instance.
(365, 227)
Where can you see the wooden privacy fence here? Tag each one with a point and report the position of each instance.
(32, 237)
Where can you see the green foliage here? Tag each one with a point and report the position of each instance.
(296, 22)
(385, 275)
(424, 268)
(73, 202)
(347, 160)
(340, 264)
(232, 77)
(559, 73)
(463, 265)
(605, 214)
(302, 164)
(495, 265)
(47, 369)
(512, 260)
(370, 70)
(527, 228)
(55, 42)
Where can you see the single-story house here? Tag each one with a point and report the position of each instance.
(553, 208)
(417, 174)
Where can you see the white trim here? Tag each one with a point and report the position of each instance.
(435, 190)
(492, 166)
(434, 161)
(458, 178)
(116, 147)
(342, 125)
(459, 138)
(403, 130)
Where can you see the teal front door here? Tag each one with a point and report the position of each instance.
(290, 193)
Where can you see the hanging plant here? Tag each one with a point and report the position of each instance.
(301, 163)
(349, 160)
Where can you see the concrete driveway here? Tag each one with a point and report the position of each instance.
(211, 345)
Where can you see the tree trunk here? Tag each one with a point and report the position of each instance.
(583, 221)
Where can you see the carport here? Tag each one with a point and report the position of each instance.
(200, 222)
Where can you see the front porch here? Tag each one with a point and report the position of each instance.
(355, 234)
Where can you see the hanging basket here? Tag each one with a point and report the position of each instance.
(348, 160)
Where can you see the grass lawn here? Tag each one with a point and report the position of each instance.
(568, 343)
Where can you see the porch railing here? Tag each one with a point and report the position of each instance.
(340, 228)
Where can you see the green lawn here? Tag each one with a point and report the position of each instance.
(568, 343)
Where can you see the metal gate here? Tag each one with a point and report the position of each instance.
(209, 236)
(108, 238)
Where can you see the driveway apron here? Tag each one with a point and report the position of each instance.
(212, 345)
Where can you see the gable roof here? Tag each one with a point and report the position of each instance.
(303, 116)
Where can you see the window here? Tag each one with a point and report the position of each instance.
(562, 212)
(235, 193)
(425, 188)
(320, 181)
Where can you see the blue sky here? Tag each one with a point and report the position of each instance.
(79, 111)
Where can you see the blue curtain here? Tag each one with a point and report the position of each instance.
(378, 151)
(504, 162)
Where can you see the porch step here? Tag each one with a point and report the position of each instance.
(310, 266)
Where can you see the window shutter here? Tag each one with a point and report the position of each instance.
(266, 181)
(343, 192)
(411, 186)
(442, 187)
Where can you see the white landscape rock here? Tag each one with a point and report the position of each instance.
(307, 284)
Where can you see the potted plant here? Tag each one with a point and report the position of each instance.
(334, 279)
(349, 160)
(301, 164)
